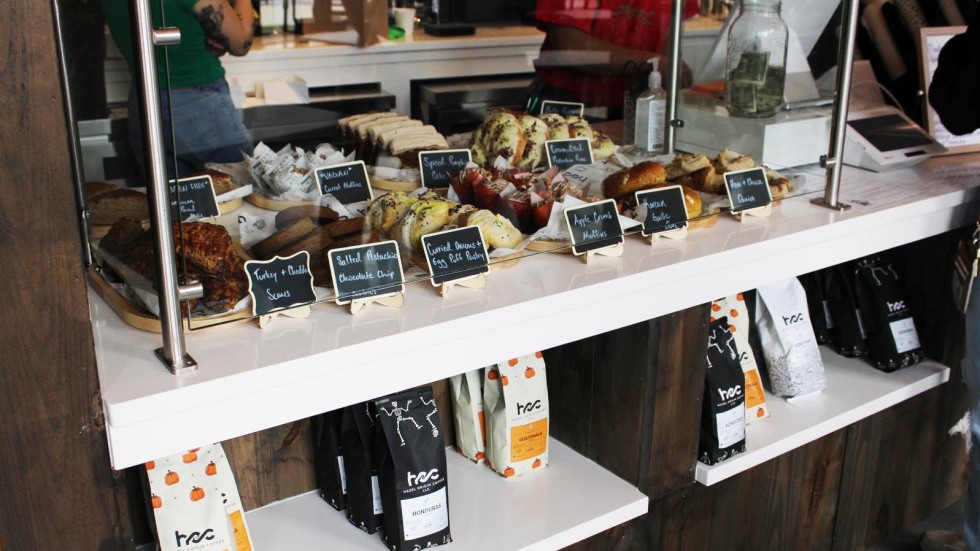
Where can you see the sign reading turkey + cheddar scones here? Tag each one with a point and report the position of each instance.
(366, 271)
(747, 189)
(348, 182)
(594, 226)
(666, 210)
(192, 198)
(567, 153)
(437, 167)
(280, 283)
(455, 254)
(563, 108)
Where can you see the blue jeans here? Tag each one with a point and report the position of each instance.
(207, 128)
(971, 374)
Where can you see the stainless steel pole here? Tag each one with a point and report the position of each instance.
(673, 83)
(173, 353)
(842, 95)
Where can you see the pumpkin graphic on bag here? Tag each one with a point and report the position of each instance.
(156, 501)
(197, 494)
(171, 478)
(190, 456)
(211, 469)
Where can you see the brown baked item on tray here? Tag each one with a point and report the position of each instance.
(97, 188)
(638, 177)
(319, 214)
(110, 206)
(315, 241)
(286, 236)
(223, 183)
(346, 226)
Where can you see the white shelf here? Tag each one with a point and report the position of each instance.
(569, 501)
(855, 390)
(251, 379)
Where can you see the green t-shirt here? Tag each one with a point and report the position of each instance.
(191, 64)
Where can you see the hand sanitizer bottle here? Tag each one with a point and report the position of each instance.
(651, 109)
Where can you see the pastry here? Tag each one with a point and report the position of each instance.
(557, 126)
(535, 134)
(497, 230)
(319, 214)
(602, 146)
(579, 128)
(221, 182)
(388, 209)
(779, 186)
(503, 137)
(286, 236)
(458, 213)
(628, 181)
(730, 161)
(97, 188)
(106, 208)
(687, 163)
(424, 217)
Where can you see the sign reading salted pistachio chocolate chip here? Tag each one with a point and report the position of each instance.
(747, 189)
(567, 153)
(594, 226)
(455, 254)
(666, 210)
(366, 271)
(437, 167)
(563, 108)
(280, 283)
(192, 197)
(348, 182)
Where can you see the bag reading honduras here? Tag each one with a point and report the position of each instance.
(411, 457)
(515, 395)
(735, 309)
(788, 343)
(195, 502)
(471, 428)
(723, 405)
(893, 341)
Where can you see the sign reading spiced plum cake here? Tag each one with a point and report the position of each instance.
(437, 167)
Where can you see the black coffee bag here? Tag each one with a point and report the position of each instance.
(363, 487)
(847, 335)
(723, 406)
(893, 341)
(816, 299)
(411, 457)
(328, 458)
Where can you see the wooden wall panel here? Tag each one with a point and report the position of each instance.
(56, 488)
(272, 464)
(570, 393)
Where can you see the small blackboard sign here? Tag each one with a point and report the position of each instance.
(747, 189)
(437, 167)
(666, 210)
(193, 196)
(347, 182)
(563, 108)
(594, 226)
(455, 254)
(366, 271)
(567, 153)
(280, 283)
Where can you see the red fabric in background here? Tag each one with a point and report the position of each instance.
(640, 24)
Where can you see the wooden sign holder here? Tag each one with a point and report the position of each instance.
(761, 212)
(394, 300)
(299, 312)
(612, 250)
(680, 233)
(477, 281)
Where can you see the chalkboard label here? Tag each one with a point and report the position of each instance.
(438, 167)
(563, 108)
(347, 182)
(365, 271)
(193, 196)
(568, 153)
(666, 210)
(747, 189)
(455, 254)
(280, 283)
(594, 226)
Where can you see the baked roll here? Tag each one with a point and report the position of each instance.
(497, 230)
(422, 218)
(388, 209)
(557, 126)
(602, 146)
(687, 163)
(628, 181)
(535, 134)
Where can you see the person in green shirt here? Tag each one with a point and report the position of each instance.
(207, 127)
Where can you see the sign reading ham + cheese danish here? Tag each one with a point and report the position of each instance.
(437, 167)
(348, 182)
(280, 283)
(192, 197)
(747, 189)
(366, 271)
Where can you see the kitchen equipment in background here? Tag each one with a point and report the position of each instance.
(459, 105)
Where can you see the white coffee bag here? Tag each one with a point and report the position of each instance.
(471, 428)
(515, 396)
(788, 343)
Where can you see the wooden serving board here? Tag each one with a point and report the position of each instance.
(230, 206)
(268, 203)
(394, 185)
(565, 247)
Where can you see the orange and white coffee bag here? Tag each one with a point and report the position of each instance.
(735, 309)
(471, 428)
(515, 397)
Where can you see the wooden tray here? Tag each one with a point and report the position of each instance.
(230, 206)
(565, 247)
(268, 203)
(394, 185)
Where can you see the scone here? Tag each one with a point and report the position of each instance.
(602, 146)
(497, 230)
(503, 137)
(424, 217)
(388, 209)
(535, 134)
(687, 163)
(579, 128)
(557, 126)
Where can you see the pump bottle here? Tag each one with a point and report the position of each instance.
(651, 109)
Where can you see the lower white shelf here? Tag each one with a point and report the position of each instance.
(855, 390)
(572, 499)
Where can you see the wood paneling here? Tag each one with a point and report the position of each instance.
(56, 488)
(272, 464)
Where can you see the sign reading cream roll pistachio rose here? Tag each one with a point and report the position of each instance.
(747, 189)
(594, 226)
(347, 182)
(280, 283)
(455, 254)
(366, 271)
(193, 197)
(437, 167)
(567, 153)
(563, 108)
(666, 209)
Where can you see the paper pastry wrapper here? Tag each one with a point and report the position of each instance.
(288, 173)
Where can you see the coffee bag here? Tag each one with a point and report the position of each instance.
(814, 285)
(328, 458)
(515, 396)
(893, 341)
(736, 310)
(195, 502)
(363, 487)
(471, 428)
(847, 333)
(411, 459)
(792, 356)
(723, 405)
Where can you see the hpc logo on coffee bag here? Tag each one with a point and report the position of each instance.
(515, 395)
(723, 405)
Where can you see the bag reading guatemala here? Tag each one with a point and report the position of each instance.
(411, 457)
(363, 488)
(792, 357)
(471, 428)
(195, 501)
(893, 342)
(515, 396)
(328, 458)
(723, 404)
(737, 312)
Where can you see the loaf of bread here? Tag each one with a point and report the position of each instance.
(626, 182)
(106, 208)
(97, 188)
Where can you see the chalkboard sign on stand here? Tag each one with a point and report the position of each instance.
(748, 192)
(563, 108)
(367, 273)
(567, 153)
(437, 167)
(193, 197)
(456, 257)
(280, 286)
(595, 229)
(347, 182)
(666, 212)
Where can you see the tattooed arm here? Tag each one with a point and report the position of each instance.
(228, 23)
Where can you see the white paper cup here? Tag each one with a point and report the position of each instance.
(405, 18)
